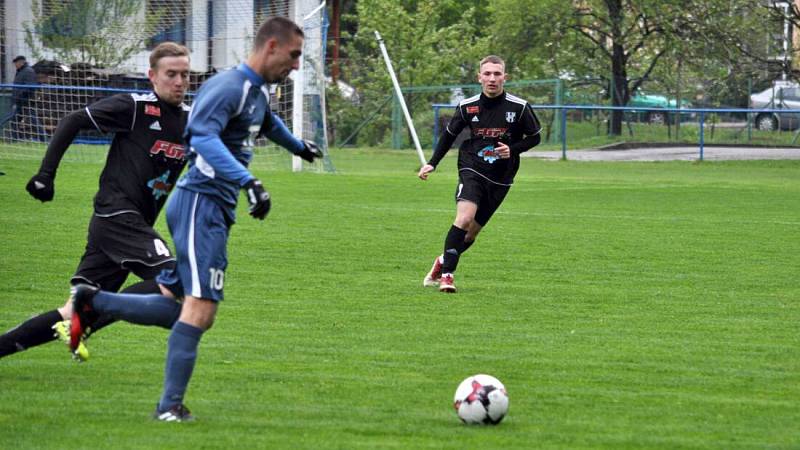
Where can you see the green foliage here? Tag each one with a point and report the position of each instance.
(430, 43)
(102, 33)
(624, 305)
(704, 51)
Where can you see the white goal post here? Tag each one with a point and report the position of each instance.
(309, 120)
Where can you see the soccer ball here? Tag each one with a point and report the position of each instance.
(481, 399)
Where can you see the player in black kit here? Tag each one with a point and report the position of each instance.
(501, 127)
(145, 159)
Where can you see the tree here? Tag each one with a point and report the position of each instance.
(430, 43)
(622, 43)
(98, 32)
(748, 35)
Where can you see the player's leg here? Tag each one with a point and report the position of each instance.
(434, 275)
(139, 248)
(96, 269)
(144, 287)
(35, 331)
(133, 244)
(197, 316)
(150, 305)
(472, 234)
(491, 201)
(473, 220)
(469, 194)
(200, 233)
(467, 197)
(454, 243)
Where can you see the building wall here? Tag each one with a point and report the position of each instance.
(229, 41)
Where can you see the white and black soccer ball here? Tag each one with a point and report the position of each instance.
(481, 399)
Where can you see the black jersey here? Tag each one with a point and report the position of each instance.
(146, 154)
(504, 118)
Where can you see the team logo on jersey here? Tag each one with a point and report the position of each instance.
(152, 110)
(510, 116)
(160, 185)
(490, 132)
(475, 119)
(170, 150)
(489, 154)
(155, 126)
(473, 109)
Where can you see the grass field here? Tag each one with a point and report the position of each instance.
(624, 305)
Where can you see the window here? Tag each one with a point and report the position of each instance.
(170, 20)
(790, 93)
(261, 10)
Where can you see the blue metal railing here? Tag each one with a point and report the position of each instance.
(701, 112)
(52, 87)
(81, 139)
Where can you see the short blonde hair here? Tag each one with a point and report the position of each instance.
(164, 50)
(494, 60)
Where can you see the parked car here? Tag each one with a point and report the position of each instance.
(781, 95)
(652, 101)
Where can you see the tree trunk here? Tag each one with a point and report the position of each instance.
(619, 75)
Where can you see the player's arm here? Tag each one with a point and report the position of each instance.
(448, 136)
(531, 131)
(107, 115)
(210, 114)
(275, 130)
(445, 142)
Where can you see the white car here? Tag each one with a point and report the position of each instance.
(781, 95)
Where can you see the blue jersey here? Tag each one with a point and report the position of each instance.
(231, 109)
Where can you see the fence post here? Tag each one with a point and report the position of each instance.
(435, 125)
(702, 132)
(563, 133)
(559, 98)
(749, 105)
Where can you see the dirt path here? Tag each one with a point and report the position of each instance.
(672, 154)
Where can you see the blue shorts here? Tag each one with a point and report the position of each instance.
(200, 234)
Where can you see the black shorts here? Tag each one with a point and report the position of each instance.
(478, 189)
(119, 245)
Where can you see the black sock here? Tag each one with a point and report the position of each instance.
(34, 331)
(467, 244)
(142, 287)
(453, 247)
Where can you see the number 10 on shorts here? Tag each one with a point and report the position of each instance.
(216, 279)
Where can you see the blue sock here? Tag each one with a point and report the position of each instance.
(181, 355)
(150, 309)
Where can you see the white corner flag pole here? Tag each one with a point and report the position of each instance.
(399, 94)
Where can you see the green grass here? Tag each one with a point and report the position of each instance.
(624, 305)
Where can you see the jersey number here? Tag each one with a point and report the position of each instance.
(161, 249)
(216, 279)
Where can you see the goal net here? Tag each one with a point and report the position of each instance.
(84, 50)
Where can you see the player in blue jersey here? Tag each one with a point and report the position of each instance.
(231, 109)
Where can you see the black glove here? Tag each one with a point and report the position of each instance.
(310, 151)
(41, 187)
(258, 198)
